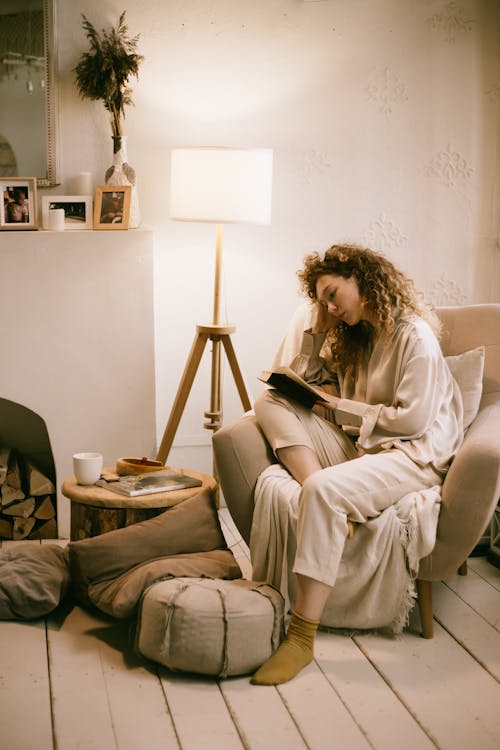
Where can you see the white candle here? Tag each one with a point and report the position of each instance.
(56, 219)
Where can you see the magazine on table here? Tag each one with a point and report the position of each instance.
(149, 482)
(287, 382)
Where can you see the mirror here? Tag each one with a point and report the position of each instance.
(28, 146)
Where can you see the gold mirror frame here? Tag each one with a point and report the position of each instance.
(49, 20)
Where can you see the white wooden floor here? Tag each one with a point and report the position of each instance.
(73, 681)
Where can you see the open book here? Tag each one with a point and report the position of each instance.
(149, 482)
(287, 382)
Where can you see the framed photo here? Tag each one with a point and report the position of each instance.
(18, 207)
(77, 210)
(112, 206)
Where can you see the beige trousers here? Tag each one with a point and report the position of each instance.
(350, 486)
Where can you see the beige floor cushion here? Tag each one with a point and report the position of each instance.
(33, 580)
(211, 627)
(119, 597)
(191, 526)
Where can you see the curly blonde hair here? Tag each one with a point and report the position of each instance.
(382, 287)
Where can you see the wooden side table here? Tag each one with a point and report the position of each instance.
(95, 510)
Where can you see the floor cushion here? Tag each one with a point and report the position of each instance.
(191, 526)
(119, 597)
(210, 627)
(34, 578)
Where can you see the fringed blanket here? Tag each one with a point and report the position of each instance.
(375, 586)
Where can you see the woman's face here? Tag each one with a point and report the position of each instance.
(341, 298)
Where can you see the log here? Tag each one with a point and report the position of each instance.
(47, 530)
(10, 494)
(46, 509)
(37, 483)
(5, 529)
(22, 527)
(13, 478)
(23, 509)
(4, 463)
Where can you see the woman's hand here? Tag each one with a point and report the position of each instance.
(321, 406)
(330, 388)
(323, 321)
(328, 403)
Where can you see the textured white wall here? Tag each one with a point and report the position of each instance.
(77, 342)
(384, 117)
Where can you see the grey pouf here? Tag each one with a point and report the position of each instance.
(210, 626)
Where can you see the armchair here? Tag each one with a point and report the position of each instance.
(471, 488)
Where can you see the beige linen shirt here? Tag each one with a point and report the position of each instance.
(412, 401)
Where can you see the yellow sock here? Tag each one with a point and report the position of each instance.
(296, 651)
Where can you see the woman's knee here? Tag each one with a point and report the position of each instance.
(262, 403)
(319, 493)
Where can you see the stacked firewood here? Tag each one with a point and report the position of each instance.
(28, 508)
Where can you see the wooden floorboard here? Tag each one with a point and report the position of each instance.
(25, 708)
(321, 716)
(262, 718)
(86, 688)
(199, 712)
(485, 570)
(451, 696)
(478, 594)
(468, 627)
(376, 708)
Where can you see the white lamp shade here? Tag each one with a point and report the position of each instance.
(221, 185)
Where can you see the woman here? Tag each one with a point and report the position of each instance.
(394, 428)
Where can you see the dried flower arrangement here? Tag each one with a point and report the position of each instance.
(104, 71)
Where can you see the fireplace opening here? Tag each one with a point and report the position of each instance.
(28, 507)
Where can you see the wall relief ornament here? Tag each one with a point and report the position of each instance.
(386, 89)
(314, 162)
(451, 21)
(384, 234)
(449, 166)
(446, 291)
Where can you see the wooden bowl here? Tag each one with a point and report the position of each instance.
(127, 466)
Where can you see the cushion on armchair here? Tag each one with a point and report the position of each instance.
(467, 369)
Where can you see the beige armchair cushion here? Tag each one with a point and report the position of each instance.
(467, 369)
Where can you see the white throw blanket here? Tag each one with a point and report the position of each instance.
(375, 585)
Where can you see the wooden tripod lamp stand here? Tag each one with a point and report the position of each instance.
(216, 185)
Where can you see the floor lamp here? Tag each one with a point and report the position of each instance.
(220, 186)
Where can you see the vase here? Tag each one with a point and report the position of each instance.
(121, 173)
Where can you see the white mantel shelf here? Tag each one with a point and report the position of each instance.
(78, 340)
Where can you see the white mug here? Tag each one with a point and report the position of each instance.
(87, 467)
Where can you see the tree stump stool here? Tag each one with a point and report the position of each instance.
(96, 510)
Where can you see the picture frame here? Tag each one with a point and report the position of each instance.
(112, 206)
(77, 210)
(16, 211)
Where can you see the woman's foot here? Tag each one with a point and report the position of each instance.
(296, 651)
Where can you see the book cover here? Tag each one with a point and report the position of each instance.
(149, 482)
(287, 382)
